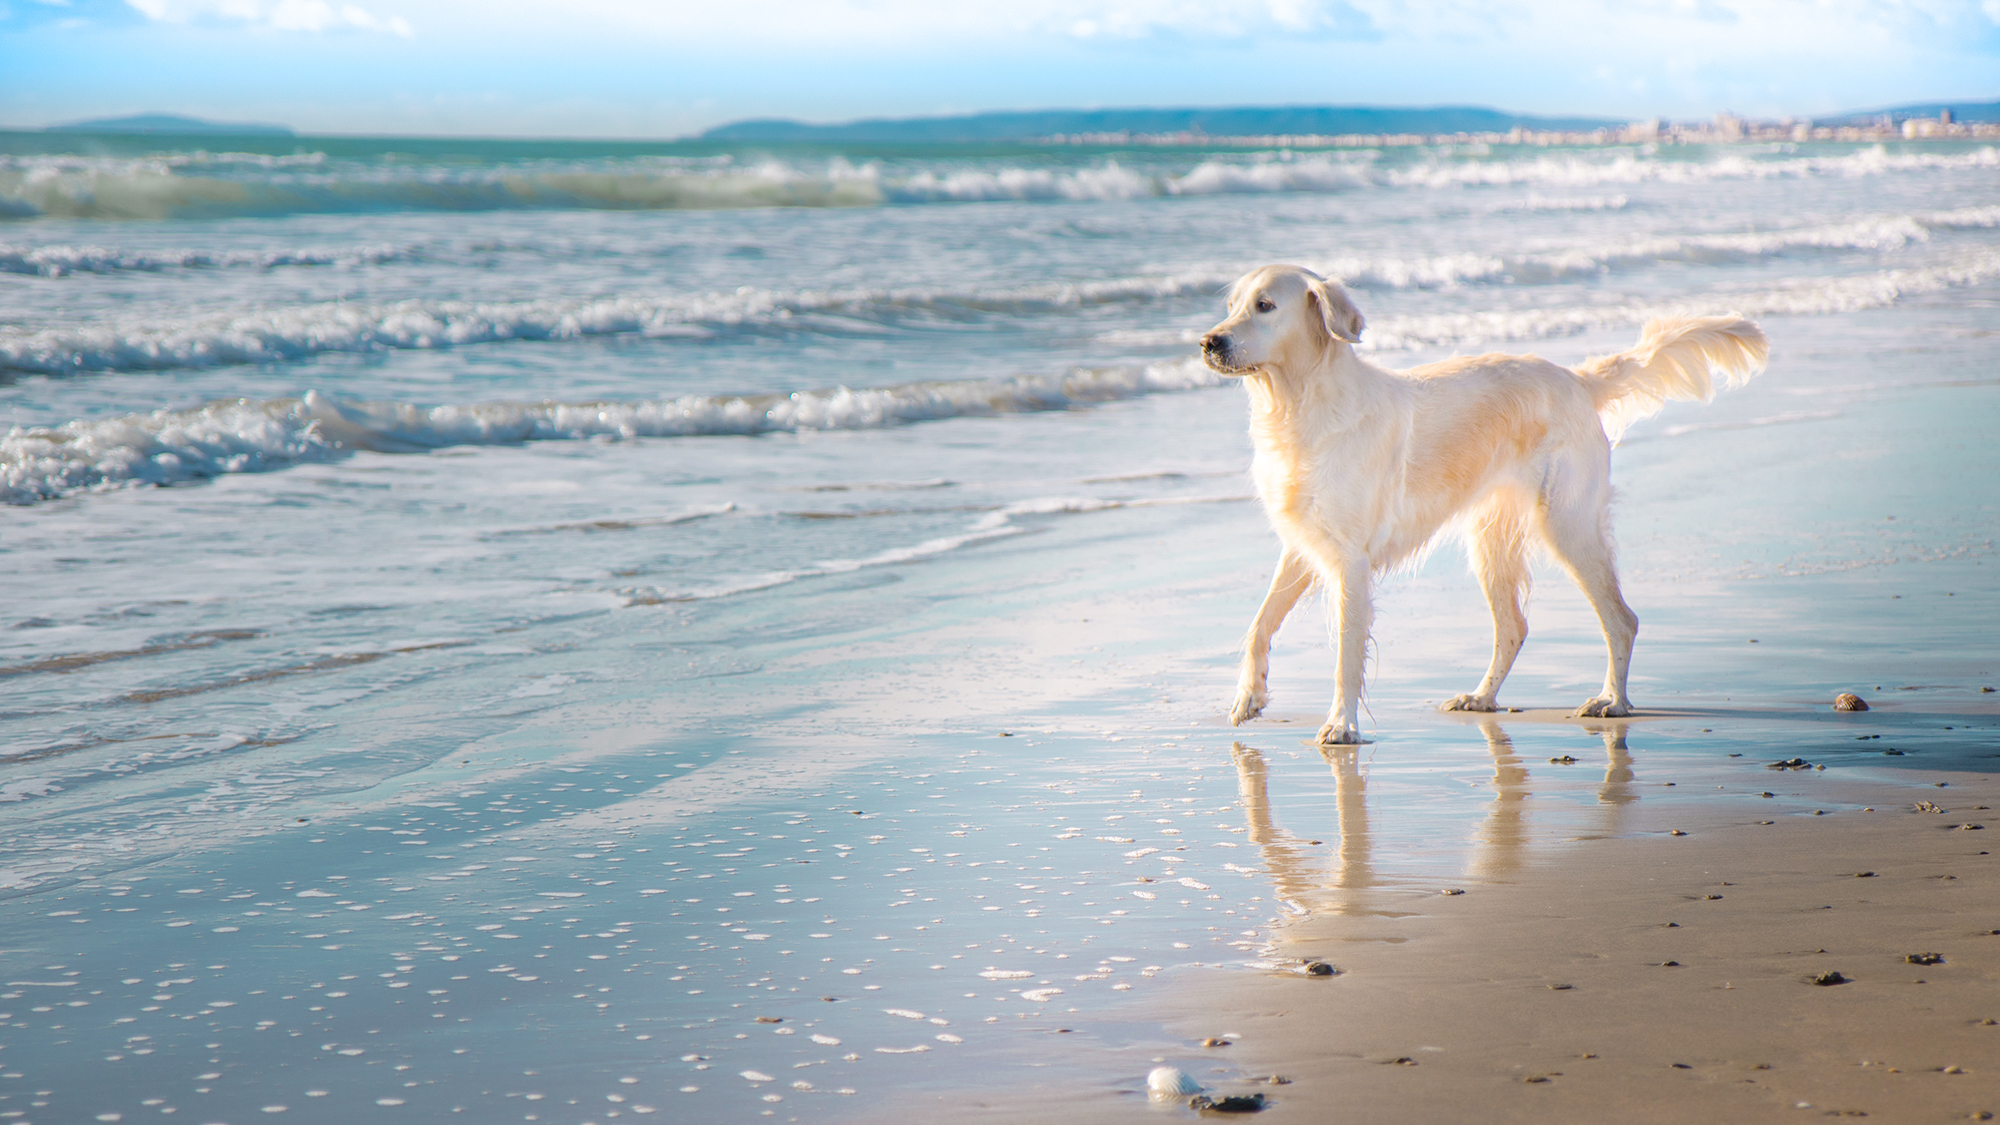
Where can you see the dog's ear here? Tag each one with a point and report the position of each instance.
(1337, 312)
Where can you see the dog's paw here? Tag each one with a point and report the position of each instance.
(1339, 734)
(1469, 702)
(1601, 708)
(1249, 705)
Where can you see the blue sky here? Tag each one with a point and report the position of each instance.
(630, 68)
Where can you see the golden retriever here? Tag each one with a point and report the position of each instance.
(1360, 467)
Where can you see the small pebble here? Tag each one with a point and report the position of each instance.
(770, 1019)
(1848, 701)
(1830, 977)
(1924, 958)
(1321, 969)
(1565, 760)
(1864, 874)
(1452, 891)
(1677, 832)
(1952, 1070)
(1561, 987)
(1711, 898)
(1534, 1079)
(1215, 1042)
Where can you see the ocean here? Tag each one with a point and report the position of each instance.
(800, 584)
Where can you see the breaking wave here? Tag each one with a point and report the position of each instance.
(167, 447)
(299, 332)
(58, 260)
(173, 446)
(227, 185)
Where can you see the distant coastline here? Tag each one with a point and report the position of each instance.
(1366, 126)
(148, 123)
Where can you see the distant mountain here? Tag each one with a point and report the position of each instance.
(1960, 111)
(168, 123)
(1232, 122)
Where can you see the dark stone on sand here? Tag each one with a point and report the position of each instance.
(1536, 1079)
(1848, 701)
(1452, 891)
(1561, 987)
(1971, 827)
(1278, 1080)
(1767, 794)
(1864, 874)
(1711, 898)
(1565, 760)
(1320, 969)
(1670, 964)
(1682, 1066)
(1229, 1103)
(1829, 978)
(1676, 832)
(1924, 958)
(1404, 1061)
(1789, 764)
(770, 1019)
(1215, 1042)
(1892, 753)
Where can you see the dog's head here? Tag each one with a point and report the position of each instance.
(1280, 315)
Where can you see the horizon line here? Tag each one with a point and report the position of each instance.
(293, 133)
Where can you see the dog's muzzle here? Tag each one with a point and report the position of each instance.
(1215, 349)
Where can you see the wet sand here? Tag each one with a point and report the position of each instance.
(1657, 977)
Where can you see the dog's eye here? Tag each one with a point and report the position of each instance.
(1266, 304)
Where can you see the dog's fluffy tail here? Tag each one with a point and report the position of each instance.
(1677, 357)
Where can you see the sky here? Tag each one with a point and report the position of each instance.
(665, 68)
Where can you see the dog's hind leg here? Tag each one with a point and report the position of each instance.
(1579, 532)
(1502, 569)
(1355, 609)
(1288, 585)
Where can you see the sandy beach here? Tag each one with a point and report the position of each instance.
(1666, 975)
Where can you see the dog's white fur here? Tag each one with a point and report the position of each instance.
(1360, 467)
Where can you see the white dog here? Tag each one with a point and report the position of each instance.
(1360, 467)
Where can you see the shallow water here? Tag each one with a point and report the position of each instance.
(435, 771)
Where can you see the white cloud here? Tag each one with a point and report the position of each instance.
(284, 15)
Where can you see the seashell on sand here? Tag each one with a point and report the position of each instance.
(1171, 1082)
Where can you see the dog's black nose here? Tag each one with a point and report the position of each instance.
(1215, 343)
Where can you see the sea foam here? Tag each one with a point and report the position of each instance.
(167, 447)
(299, 332)
(172, 446)
(229, 185)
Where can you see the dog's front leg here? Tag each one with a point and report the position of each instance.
(1356, 609)
(1290, 583)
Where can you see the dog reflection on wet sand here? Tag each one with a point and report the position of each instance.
(1299, 884)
